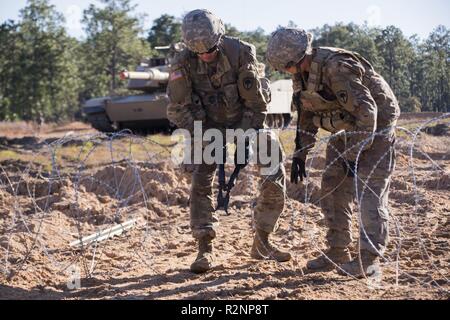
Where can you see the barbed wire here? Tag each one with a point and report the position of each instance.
(118, 168)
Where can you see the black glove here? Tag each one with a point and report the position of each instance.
(349, 168)
(298, 170)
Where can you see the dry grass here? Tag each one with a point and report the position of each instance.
(22, 128)
(15, 129)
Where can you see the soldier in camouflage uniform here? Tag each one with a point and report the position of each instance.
(340, 92)
(215, 80)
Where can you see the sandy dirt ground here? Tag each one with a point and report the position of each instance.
(59, 184)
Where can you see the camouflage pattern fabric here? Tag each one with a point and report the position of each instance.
(351, 89)
(227, 90)
(231, 95)
(338, 194)
(269, 204)
(342, 93)
(373, 109)
(288, 45)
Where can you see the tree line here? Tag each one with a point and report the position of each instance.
(47, 74)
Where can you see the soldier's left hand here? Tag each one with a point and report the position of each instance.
(298, 170)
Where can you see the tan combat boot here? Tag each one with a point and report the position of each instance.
(323, 263)
(262, 249)
(370, 266)
(204, 261)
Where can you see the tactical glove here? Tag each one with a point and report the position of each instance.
(252, 120)
(298, 170)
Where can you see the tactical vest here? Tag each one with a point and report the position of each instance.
(320, 100)
(218, 92)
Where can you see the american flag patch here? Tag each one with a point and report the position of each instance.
(178, 74)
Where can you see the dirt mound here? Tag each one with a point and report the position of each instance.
(102, 197)
(83, 206)
(29, 179)
(139, 183)
(33, 187)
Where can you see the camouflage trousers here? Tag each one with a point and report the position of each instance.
(269, 204)
(375, 168)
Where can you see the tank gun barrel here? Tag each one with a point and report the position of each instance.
(162, 48)
(152, 75)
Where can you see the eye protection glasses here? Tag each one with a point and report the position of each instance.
(212, 50)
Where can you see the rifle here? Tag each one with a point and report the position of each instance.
(224, 187)
(298, 141)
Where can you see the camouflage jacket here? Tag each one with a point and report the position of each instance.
(227, 93)
(343, 92)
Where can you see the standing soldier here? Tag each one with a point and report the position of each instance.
(340, 92)
(216, 80)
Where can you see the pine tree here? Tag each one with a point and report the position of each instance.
(113, 43)
(437, 66)
(9, 50)
(39, 65)
(350, 37)
(397, 54)
(165, 31)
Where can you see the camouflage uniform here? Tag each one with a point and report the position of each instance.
(343, 92)
(227, 93)
(357, 100)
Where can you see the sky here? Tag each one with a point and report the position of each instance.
(411, 16)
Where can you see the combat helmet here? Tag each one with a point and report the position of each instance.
(202, 30)
(287, 47)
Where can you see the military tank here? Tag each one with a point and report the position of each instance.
(143, 111)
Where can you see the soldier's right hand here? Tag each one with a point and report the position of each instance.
(298, 170)
(246, 121)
